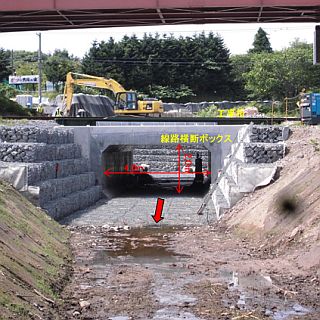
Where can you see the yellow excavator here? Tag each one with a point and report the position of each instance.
(126, 102)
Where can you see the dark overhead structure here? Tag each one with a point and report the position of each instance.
(30, 15)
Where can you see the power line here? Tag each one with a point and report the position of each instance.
(287, 28)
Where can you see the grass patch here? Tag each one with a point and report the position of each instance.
(46, 289)
(34, 254)
(15, 308)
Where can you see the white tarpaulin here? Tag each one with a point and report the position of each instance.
(16, 175)
(250, 176)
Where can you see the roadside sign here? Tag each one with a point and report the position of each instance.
(23, 79)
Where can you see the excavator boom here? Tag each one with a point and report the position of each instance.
(125, 101)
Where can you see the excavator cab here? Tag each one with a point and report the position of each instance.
(126, 100)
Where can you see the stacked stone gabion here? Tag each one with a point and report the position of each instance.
(263, 152)
(33, 134)
(48, 170)
(250, 164)
(59, 188)
(164, 157)
(32, 144)
(62, 207)
(267, 134)
(37, 152)
(57, 176)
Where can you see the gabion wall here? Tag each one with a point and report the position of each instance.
(35, 134)
(165, 157)
(267, 134)
(263, 152)
(56, 169)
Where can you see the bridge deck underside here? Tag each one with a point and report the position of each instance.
(48, 15)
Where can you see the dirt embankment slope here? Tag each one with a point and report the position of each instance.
(33, 258)
(286, 214)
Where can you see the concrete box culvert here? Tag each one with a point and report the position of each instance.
(115, 158)
(160, 159)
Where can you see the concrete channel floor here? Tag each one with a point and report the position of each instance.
(135, 207)
(137, 211)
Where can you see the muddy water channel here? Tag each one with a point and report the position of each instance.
(128, 267)
(130, 274)
(140, 273)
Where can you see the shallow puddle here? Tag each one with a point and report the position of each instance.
(141, 245)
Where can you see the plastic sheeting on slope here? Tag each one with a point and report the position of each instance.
(16, 175)
(248, 177)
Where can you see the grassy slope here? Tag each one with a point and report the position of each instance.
(33, 253)
(11, 108)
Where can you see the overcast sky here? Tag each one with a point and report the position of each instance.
(238, 37)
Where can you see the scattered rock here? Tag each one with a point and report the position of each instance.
(84, 304)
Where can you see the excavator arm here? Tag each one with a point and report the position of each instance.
(125, 101)
(87, 81)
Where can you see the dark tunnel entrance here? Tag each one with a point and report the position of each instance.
(152, 170)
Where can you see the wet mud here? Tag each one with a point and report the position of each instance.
(178, 272)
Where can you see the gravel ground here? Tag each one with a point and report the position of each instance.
(137, 212)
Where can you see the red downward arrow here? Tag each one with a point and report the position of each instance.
(157, 217)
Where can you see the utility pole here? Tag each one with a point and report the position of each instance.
(12, 66)
(40, 68)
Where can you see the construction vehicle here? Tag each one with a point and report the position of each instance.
(309, 105)
(125, 103)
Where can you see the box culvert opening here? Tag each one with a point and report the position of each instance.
(153, 170)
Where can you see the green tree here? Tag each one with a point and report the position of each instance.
(58, 65)
(261, 42)
(25, 62)
(165, 93)
(7, 91)
(4, 64)
(282, 74)
(196, 67)
(241, 64)
(211, 111)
